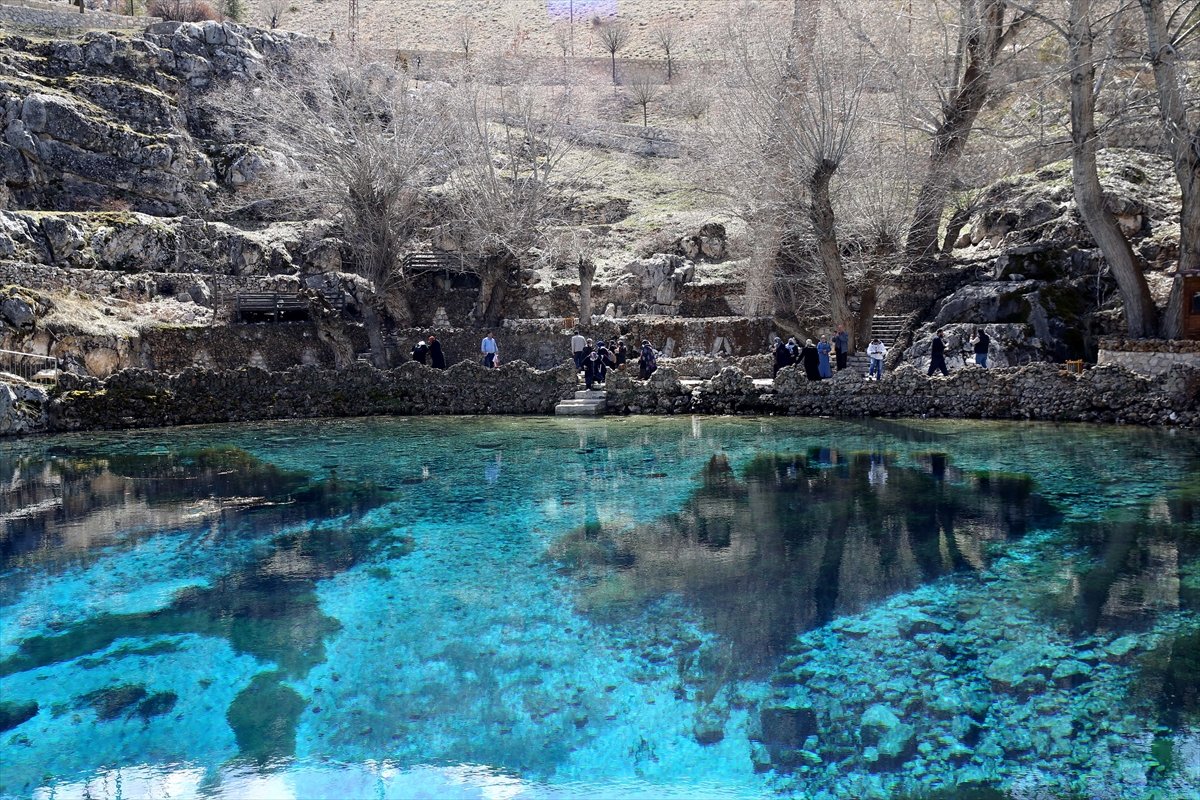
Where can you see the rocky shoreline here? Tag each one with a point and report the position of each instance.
(145, 399)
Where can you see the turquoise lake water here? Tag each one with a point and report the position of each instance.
(541, 608)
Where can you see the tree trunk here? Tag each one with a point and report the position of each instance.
(1089, 197)
(953, 228)
(373, 322)
(587, 272)
(950, 139)
(1185, 149)
(821, 215)
(861, 332)
(767, 224)
(613, 55)
(645, 116)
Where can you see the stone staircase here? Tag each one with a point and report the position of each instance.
(585, 403)
(887, 329)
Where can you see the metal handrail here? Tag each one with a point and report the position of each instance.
(30, 372)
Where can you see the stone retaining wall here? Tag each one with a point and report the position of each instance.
(1149, 356)
(144, 399)
(139, 398)
(1035, 392)
(67, 19)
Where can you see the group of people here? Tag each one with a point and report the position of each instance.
(429, 351)
(980, 344)
(815, 357)
(594, 359)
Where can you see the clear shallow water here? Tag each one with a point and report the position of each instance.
(633, 607)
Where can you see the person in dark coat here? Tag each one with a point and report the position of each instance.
(812, 360)
(841, 346)
(594, 366)
(981, 341)
(437, 358)
(782, 357)
(647, 361)
(937, 354)
(420, 353)
(621, 352)
(793, 348)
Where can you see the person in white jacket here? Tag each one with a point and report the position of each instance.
(876, 351)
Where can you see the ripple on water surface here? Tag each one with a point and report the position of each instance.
(636, 608)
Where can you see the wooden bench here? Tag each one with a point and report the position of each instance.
(277, 305)
(1075, 366)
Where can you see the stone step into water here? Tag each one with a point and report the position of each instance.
(585, 403)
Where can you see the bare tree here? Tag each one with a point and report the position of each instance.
(274, 10)
(643, 88)
(984, 29)
(1089, 197)
(613, 35)
(511, 182)
(1167, 36)
(827, 115)
(665, 34)
(465, 35)
(354, 145)
(564, 37)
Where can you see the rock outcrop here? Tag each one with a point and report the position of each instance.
(110, 120)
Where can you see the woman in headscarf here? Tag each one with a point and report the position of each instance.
(647, 361)
(823, 357)
(812, 360)
(782, 357)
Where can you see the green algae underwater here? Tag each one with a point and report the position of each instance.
(715, 607)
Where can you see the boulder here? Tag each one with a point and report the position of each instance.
(17, 312)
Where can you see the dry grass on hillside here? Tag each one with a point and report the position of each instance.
(524, 27)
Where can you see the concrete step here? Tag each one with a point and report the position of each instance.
(580, 408)
(591, 394)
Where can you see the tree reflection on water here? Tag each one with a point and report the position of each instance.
(800, 539)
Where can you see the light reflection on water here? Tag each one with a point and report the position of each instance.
(600, 608)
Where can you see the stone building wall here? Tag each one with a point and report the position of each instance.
(1149, 356)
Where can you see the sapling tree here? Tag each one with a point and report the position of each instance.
(613, 35)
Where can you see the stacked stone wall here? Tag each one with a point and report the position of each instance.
(140, 398)
(144, 399)
(62, 18)
(1044, 392)
(1149, 356)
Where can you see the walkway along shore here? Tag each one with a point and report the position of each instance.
(144, 399)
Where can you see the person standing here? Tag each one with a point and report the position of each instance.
(823, 357)
(782, 357)
(420, 352)
(594, 368)
(488, 348)
(437, 359)
(876, 351)
(841, 346)
(621, 352)
(811, 359)
(647, 361)
(937, 354)
(793, 349)
(577, 345)
(981, 342)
